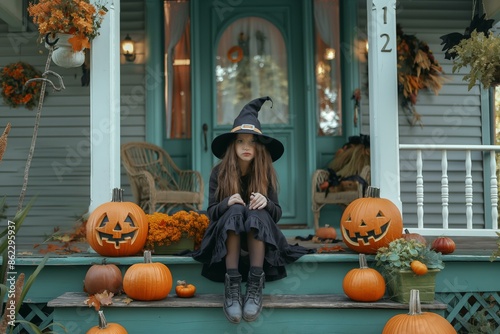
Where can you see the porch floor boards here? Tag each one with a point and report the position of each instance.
(322, 301)
(465, 246)
(476, 246)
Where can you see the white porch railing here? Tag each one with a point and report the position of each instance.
(490, 227)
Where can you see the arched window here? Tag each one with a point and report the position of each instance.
(251, 62)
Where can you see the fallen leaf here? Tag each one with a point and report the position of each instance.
(63, 238)
(127, 300)
(330, 249)
(25, 253)
(105, 298)
(93, 301)
(51, 248)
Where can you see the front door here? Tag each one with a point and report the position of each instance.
(243, 50)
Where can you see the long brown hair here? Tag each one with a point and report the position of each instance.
(261, 172)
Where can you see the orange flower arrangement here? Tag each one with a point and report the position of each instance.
(76, 17)
(12, 80)
(165, 229)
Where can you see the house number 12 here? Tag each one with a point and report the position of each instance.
(386, 36)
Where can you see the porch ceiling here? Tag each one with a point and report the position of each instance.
(12, 12)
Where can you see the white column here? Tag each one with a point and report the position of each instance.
(382, 71)
(105, 108)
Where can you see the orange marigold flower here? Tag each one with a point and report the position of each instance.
(80, 17)
(165, 229)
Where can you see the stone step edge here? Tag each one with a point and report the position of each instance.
(320, 301)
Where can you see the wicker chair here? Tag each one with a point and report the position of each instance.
(157, 183)
(343, 198)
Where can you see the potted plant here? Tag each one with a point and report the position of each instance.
(409, 264)
(171, 234)
(72, 23)
(481, 53)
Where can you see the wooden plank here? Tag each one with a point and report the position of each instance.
(326, 301)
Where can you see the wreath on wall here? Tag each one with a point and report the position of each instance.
(12, 82)
(417, 69)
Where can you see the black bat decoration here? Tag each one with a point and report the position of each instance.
(450, 40)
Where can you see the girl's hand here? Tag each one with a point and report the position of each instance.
(235, 199)
(257, 201)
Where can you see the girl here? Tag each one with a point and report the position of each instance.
(243, 239)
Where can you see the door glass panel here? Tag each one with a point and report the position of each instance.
(177, 69)
(329, 112)
(251, 62)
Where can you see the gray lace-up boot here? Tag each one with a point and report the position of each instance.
(253, 297)
(232, 298)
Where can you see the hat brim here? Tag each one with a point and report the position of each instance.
(221, 142)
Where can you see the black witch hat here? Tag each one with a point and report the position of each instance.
(247, 122)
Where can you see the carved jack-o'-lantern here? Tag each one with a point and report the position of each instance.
(117, 228)
(370, 223)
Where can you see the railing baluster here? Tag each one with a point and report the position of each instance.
(494, 190)
(468, 188)
(450, 226)
(445, 196)
(420, 191)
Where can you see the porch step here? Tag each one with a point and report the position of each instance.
(321, 313)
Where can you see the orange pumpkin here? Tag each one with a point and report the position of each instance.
(326, 232)
(105, 327)
(418, 267)
(418, 322)
(101, 277)
(364, 284)
(445, 245)
(370, 223)
(185, 290)
(148, 280)
(117, 228)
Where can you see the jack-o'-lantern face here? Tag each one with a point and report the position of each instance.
(117, 228)
(370, 223)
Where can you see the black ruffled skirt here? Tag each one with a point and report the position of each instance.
(239, 219)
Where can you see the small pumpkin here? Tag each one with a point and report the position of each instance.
(106, 328)
(101, 277)
(414, 236)
(326, 232)
(445, 245)
(364, 284)
(185, 290)
(418, 267)
(370, 222)
(416, 321)
(148, 280)
(117, 228)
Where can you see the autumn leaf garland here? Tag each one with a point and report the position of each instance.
(12, 82)
(417, 69)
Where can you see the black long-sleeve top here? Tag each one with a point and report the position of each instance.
(216, 209)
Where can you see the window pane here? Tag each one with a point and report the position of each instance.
(250, 63)
(328, 88)
(177, 70)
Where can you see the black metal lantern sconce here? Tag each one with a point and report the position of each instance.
(128, 48)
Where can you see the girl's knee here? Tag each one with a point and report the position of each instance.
(237, 209)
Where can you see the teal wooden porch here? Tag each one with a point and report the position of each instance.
(309, 300)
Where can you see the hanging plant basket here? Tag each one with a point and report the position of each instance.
(64, 55)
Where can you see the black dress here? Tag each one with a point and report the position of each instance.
(225, 218)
